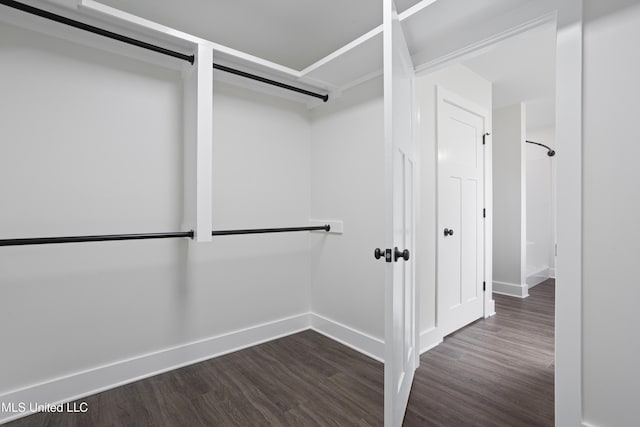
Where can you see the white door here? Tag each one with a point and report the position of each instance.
(401, 355)
(460, 132)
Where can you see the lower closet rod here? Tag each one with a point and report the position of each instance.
(325, 227)
(97, 238)
(145, 236)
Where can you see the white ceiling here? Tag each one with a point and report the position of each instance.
(522, 69)
(293, 33)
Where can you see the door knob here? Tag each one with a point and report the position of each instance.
(448, 232)
(382, 253)
(401, 254)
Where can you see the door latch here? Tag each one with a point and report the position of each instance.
(391, 256)
(379, 253)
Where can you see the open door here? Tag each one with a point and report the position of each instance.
(401, 354)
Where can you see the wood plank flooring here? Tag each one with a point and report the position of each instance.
(496, 372)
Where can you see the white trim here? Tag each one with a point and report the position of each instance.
(490, 307)
(198, 145)
(341, 51)
(523, 193)
(568, 332)
(478, 47)
(487, 223)
(429, 339)
(95, 380)
(510, 289)
(444, 94)
(415, 9)
(357, 340)
(538, 277)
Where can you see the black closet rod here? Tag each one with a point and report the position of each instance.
(98, 238)
(115, 36)
(550, 152)
(146, 236)
(325, 98)
(326, 227)
(90, 28)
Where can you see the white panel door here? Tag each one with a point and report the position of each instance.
(401, 355)
(461, 127)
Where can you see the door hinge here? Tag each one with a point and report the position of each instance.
(484, 138)
(484, 213)
(484, 286)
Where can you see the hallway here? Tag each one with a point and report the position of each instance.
(495, 372)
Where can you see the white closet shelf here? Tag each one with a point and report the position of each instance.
(223, 55)
(87, 21)
(356, 62)
(353, 63)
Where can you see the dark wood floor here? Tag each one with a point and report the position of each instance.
(496, 372)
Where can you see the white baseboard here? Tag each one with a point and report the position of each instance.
(538, 277)
(359, 341)
(552, 273)
(490, 308)
(510, 289)
(430, 339)
(81, 384)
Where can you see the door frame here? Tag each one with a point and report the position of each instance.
(568, 19)
(488, 304)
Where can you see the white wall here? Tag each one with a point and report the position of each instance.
(464, 82)
(347, 159)
(540, 200)
(509, 200)
(261, 179)
(92, 144)
(611, 208)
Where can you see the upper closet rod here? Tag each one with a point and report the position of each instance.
(325, 98)
(81, 25)
(550, 153)
(189, 58)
